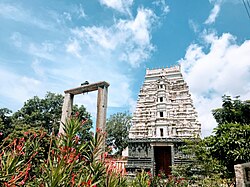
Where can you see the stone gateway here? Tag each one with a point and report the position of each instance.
(163, 118)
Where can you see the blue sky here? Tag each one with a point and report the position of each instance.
(56, 45)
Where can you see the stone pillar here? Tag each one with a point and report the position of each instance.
(101, 108)
(101, 111)
(242, 174)
(66, 110)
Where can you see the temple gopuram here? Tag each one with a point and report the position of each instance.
(163, 119)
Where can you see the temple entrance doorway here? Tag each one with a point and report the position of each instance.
(163, 160)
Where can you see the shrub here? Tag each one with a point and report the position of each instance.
(37, 159)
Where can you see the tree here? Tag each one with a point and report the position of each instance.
(117, 128)
(5, 122)
(40, 113)
(44, 113)
(214, 157)
(232, 111)
(230, 145)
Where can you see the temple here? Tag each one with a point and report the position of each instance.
(164, 117)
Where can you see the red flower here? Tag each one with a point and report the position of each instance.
(149, 174)
(105, 155)
(22, 182)
(77, 114)
(73, 178)
(89, 182)
(149, 183)
(19, 147)
(26, 133)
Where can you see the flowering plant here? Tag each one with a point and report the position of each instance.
(39, 159)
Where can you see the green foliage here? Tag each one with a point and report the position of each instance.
(230, 142)
(5, 123)
(114, 177)
(142, 179)
(214, 157)
(200, 168)
(38, 114)
(117, 128)
(230, 145)
(21, 158)
(85, 117)
(145, 179)
(67, 161)
(232, 111)
(73, 161)
(198, 162)
(214, 181)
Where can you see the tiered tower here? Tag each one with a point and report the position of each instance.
(163, 118)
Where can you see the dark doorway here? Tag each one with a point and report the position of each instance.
(162, 156)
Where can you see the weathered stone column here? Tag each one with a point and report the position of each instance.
(101, 112)
(101, 108)
(66, 110)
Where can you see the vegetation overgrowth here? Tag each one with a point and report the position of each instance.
(39, 159)
(213, 158)
(31, 154)
(117, 128)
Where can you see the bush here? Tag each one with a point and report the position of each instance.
(37, 159)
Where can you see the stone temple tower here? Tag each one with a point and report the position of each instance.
(163, 118)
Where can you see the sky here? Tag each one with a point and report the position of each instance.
(57, 45)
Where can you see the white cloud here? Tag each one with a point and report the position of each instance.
(163, 5)
(92, 53)
(193, 25)
(18, 88)
(19, 14)
(43, 50)
(101, 36)
(16, 38)
(38, 69)
(67, 16)
(122, 6)
(74, 48)
(129, 38)
(81, 12)
(224, 69)
(57, 70)
(213, 14)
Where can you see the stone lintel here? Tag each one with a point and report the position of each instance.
(87, 88)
